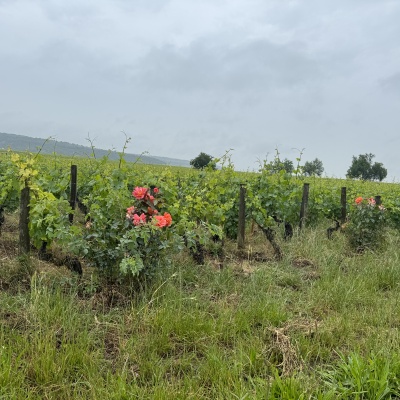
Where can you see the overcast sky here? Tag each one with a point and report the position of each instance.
(185, 76)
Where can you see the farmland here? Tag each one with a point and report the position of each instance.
(319, 322)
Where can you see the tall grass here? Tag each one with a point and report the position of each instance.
(320, 324)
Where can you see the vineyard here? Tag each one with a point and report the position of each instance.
(131, 228)
(204, 205)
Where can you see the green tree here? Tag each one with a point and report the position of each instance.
(202, 160)
(378, 171)
(287, 165)
(313, 168)
(277, 165)
(362, 168)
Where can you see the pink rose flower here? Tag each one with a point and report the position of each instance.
(139, 219)
(139, 192)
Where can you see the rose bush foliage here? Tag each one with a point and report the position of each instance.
(367, 224)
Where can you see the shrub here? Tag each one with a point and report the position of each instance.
(367, 222)
(147, 240)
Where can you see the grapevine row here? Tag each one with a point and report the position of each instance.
(203, 204)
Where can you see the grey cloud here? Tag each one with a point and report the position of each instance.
(152, 6)
(254, 65)
(182, 77)
(70, 13)
(392, 83)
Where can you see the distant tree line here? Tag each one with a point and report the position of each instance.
(310, 168)
(361, 167)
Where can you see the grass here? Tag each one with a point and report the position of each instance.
(320, 324)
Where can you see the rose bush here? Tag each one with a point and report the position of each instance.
(147, 242)
(367, 223)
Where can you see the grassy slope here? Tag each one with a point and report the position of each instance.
(252, 330)
(25, 143)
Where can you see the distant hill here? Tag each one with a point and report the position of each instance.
(26, 143)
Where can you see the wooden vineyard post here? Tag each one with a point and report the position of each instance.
(343, 202)
(72, 199)
(304, 204)
(24, 238)
(242, 217)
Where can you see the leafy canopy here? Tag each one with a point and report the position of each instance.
(277, 165)
(202, 160)
(311, 168)
(362, 168)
